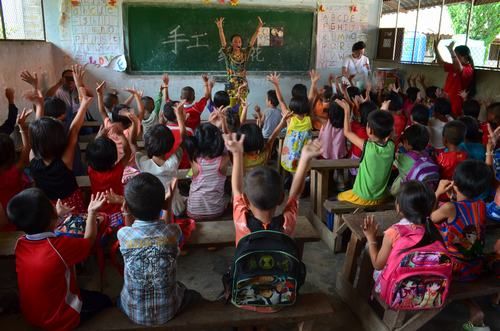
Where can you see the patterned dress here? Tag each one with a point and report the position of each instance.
(236, 71)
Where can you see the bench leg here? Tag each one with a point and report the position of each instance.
(394, 319)
(313, 196)
(306, 326)
(350, 266)
(338, 229)
(322, 178)
(418, 320)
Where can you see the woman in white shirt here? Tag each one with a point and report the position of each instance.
(356, 67)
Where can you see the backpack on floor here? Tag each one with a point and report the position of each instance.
(418, 278)
(424, 170)
(266, 269)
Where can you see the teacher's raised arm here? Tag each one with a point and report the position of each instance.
(222, 37)
(256, 33)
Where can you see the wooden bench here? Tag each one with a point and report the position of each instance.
(205, 315)
(335, 221)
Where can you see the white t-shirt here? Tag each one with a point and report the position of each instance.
(436, 132)
(357, 66)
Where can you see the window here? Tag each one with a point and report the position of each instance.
(21, 20)
(423, 23)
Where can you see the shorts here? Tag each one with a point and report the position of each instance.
(352, 197)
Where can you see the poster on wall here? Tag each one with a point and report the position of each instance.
(339, 27)
(96, 33)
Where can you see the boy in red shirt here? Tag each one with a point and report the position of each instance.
(49, 294)
(453, 135)
(193, 110)
(400, 120)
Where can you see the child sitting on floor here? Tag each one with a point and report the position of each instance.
(453, 136)
(194, 109)
(472, 143)
(48, 291)
(151, 294)
(462, 223)
(370, 185)
(441, 116)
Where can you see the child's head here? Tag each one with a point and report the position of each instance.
(55, 108)
(101, 154)
(254, 140)
(272, 99)
(110, 100)
(299, 91)
(353, 91)
(364, 110)
(415, 201)
(415, 137)
(31, 211)
(149, 104)
(473, 131)
(299, 106)
(396, 101)
(68, 82)
(145, 197)
(232, 121)
(420, 114)
(263, 188)
(8, 154)
(118, 116)
(336, 115)
(442, 106)
(412, 93)
(47, 138)
(472, 178)
(471, 108)
(158, 141)
(169, 112)
(454, 133)
(380, 124)
(187, 93)
(206, 143)
(493, 114)
(431, 92)
(221, 98)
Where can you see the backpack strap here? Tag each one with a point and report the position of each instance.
(255, 224)
(413, 155)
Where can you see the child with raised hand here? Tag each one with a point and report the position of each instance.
(370, 185)
(414, 202)
(453, 135)
(395, 105)
(420, 115)
(441, 116)
(331, 134)
(152, 107)
(194, 109)
(320, 101)
(49, 294)
(12, 179)
(151, 294)
(472, 143)
(272, 116)
(209, 165)
(53, 151)
(104, 168)
(462, 223)
(8, 126)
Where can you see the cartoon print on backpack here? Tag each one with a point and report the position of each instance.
(432, 296)
(419, 293)
(266, 291)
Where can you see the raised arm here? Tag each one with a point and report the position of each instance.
(235, 146)
(207, 87)
(274, 78)
(457, 65)
(220, 27)
(351, 136)
(127, 151)
(137, 96)
(256, 33)
(164, 87)
(23, 129)
(96, 202)
(8, 126)
(100, 99)
(244, 110)
(181, 118)
(309, 152)
(439, 59)
(313, 91)
(277, 130)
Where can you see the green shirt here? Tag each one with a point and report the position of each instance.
(404, 163)
(153, 118)
(374, 170)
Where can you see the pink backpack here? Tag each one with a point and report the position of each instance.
(418, 278)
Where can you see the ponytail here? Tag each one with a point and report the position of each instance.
(431, 235)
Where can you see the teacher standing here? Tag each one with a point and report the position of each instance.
(356, 67)
(236, 60)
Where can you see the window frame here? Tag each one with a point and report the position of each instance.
(3, 35)
(418, 7)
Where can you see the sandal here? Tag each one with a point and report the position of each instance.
(469, 326)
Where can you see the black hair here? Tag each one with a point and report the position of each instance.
(101, 154)
(207, 142)
(420, 114)
(236, 35)
(117, 118)
(464, 51)
(471, 107)
(472, 178)
(417, 137)
(48, 138)
(364, 110)
(254, 140)
(187, 93)
(221, 98)
(146, 99)
(327, 93)
(412, 93)
(353, 91)
(54, 107)
(473, 131)
(336, 115)
(110, 100)
(430, 92)
(232, 121)
(396, 101)
(357, 46)
(494, 109)
(273, 98)
(299, 106)
(442, 106)
(145, 197)
(8, 154)
(31, 211)
(416, 202)
(158, 140)
(454, 132)
(264, 188)
(66, 71)
(299, 91)
(169, 112)
(381, 122)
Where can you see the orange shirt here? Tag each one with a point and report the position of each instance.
(319, 110)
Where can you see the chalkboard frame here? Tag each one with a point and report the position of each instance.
(219, 73)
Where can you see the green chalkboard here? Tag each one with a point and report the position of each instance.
(184, 37)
